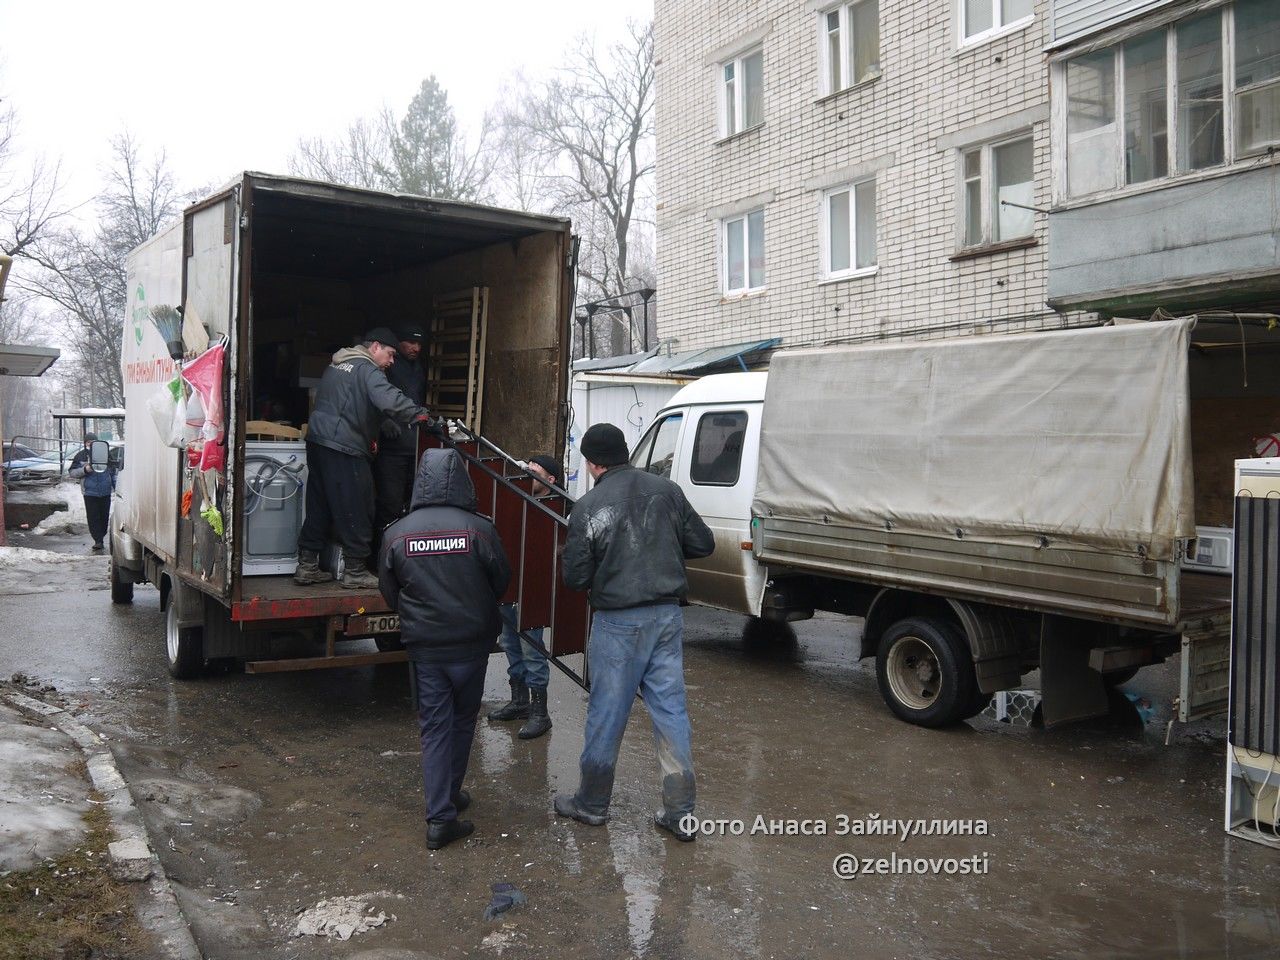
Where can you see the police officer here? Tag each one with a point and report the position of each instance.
(397, 445)
(353, 399)
(443, 569)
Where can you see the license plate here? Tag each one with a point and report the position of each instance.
(374, 623)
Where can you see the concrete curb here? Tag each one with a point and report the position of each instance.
(131, 855)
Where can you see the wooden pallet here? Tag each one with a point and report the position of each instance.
(455, 355)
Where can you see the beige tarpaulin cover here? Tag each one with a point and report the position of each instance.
(1080, 436)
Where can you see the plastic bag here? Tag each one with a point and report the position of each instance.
(166, 409)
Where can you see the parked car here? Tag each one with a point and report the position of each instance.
(22, 463)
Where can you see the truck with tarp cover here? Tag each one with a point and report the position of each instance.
(989, 505)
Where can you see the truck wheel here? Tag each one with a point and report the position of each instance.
(388, 642)
(121, 590)
(185, 645)
(925, 673)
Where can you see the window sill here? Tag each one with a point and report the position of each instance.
(982, 39)
(850, 275)
(739, 135)
(986, 249)
(1240, 165)
(836, 95)
(739, 295)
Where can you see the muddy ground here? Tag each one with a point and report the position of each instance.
(266, 794)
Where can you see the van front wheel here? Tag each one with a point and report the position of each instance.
(925, 673)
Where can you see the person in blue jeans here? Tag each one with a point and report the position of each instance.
(527, 670)
(628, 541)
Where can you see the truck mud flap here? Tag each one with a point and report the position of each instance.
(1070, 689)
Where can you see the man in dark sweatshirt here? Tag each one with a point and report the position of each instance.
(443, 569)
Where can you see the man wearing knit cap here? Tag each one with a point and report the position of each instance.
(527, 670)
(628, 540)
(352, 401)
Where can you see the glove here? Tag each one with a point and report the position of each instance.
(390, 430)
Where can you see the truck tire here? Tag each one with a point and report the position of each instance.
(925, 672)
(1119, 677)
(121, 590)
(185, 645)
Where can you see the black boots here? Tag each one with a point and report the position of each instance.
(441, 833)
(538, 723)
(517, 708)
(309, 569)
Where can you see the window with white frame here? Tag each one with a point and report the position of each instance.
(742, 93)
(1119, 99)
(997, 190)
(849, 229)
(983, 18)
(849, 44)
(742, 243)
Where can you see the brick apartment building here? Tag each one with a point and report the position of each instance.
(842, 171)
(834, 171)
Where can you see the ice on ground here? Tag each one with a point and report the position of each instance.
(340, 918)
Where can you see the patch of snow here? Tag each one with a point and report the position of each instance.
(12, 558)
(70, 520)
(340, 918)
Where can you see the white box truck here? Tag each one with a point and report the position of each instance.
(285, 271)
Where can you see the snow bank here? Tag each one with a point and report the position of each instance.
(70, 520)
(18, 557)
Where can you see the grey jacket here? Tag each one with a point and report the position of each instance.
(629, 538)
(443, 567)
(353, 399)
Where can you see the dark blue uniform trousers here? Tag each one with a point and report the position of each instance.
(449, 697)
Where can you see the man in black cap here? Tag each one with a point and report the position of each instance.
(527, 670)
(398, 446)
(97, 491)
(353, 399)
(628, 540)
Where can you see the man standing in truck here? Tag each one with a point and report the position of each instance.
(353, 399)
(628, 540)
(443, 570)
(398, 446)
(528, 671)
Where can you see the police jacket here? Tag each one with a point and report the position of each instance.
(629, 538)
(353, 399)
(442, 566)
(411, 380)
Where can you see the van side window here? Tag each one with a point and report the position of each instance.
(717, 449)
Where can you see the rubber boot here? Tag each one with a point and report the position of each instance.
(517, 708)
(538, 723)
(309, 571)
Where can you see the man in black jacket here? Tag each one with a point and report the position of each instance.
(397, 445)
(628, 540)
(443, 569)
(352, 401)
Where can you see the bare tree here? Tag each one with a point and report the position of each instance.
(358, 158)
(82, 276)
(425, 152)
(29, 197)
(591, 129)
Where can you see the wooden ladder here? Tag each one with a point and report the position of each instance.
(455, 355)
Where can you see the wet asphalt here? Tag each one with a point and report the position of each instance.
(266, 794)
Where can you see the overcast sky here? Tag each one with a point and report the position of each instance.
(233, 85)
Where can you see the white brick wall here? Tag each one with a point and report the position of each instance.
(928, 90)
